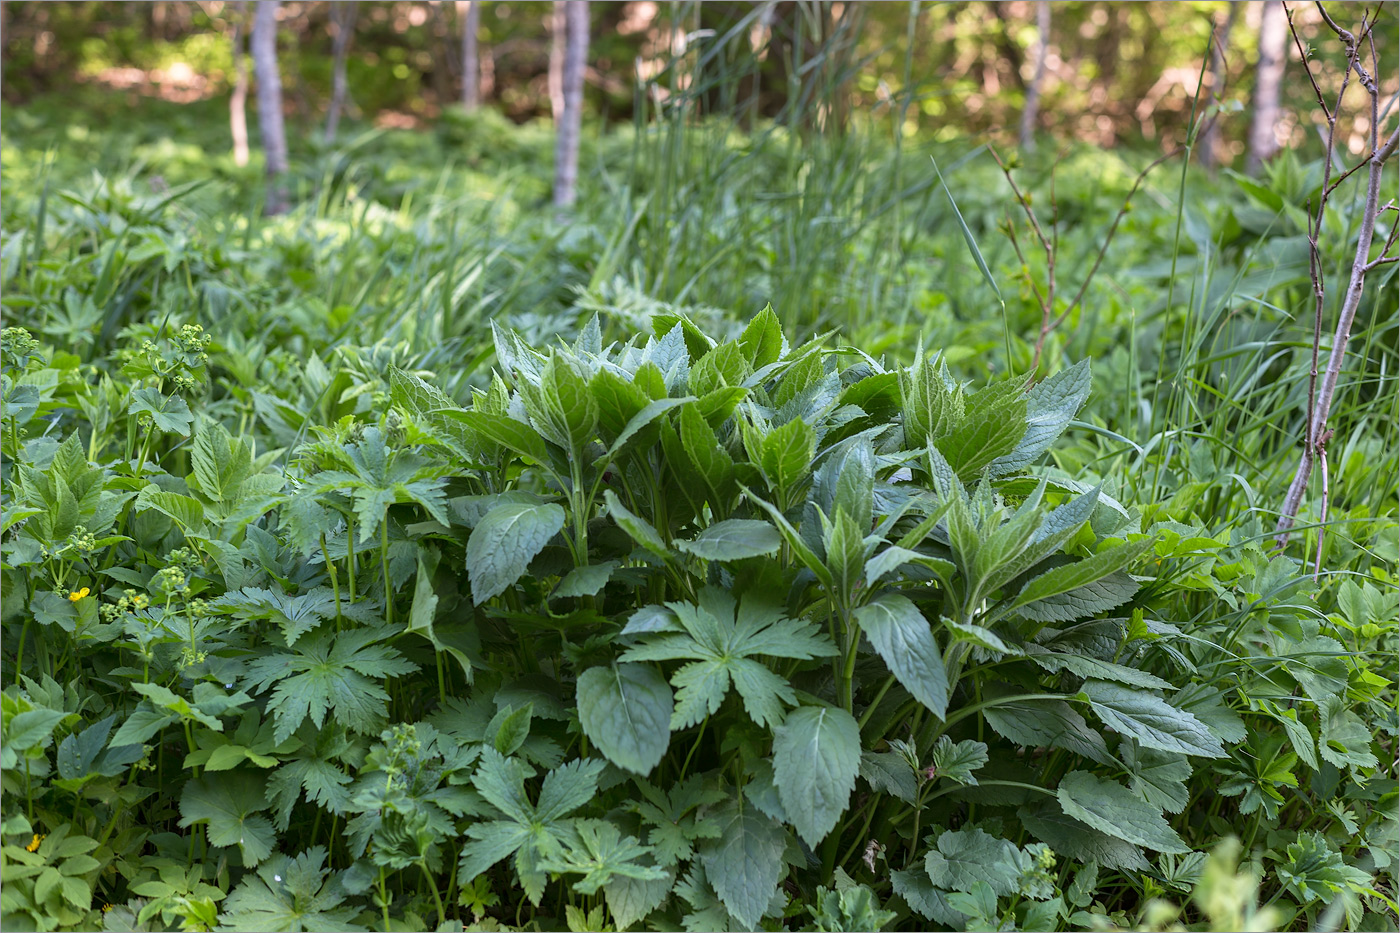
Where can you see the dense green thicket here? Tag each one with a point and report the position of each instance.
(413, 561)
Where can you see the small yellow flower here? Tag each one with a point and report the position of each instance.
(106, 907)
(76, 595)
(35, 843)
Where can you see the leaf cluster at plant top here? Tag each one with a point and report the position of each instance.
(671, 633)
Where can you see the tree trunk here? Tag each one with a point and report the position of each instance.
(471, 67)
(274, 136)
(566, 147)
(1273, 31)
(1210, 140)
(343, 16)
(1032, 109)
(238, 102)
(558, 39)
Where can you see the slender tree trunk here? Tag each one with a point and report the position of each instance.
(571, 122)
(470, 13)
(343, 17)
(1032, 109)
(558, 40)
(274, 136)
(1210, 140)
(1273, 33)
(238, 102)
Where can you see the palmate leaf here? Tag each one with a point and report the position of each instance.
(600, 852)
(290, 895)
(720, 639)
(230, 804)
(376, 478)
(296, 615)
(329, 671)
(816, 755)
(528, 831)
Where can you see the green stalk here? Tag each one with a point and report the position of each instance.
(384, 562)
(437, 897)
(330, 569)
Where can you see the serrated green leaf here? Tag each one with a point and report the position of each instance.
(1113, 809)
(504, 542)
(625, 710)
(745, 863)
(816, 756)
(1151, 720)
(230, 804)
(1083, 587)
(902, 638)
(734, 539)
(966, 856)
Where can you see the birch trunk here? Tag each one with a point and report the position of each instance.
(471, 66)
(343, 17)
(274, 136)
(1273, 33)
(558, 41)
(1032, 109)
(1210, 140)
(238, 101)
(571, 122)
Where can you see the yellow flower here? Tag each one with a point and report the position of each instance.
(76, 595)
(35, 843)
(106, 907)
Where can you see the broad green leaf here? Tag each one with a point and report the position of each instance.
(1094, 669)
(187, 512)
(1034, 722)
(966, 856)
(995, 422)
(734, 539)
(638, 529)
(762, 340)
(504, 542)
(1156, 776)
(889, 772)
(902, 637)
(587, 580)
(1076, 584)
(920, 894)
(1344, 741)
(219, 462)
(625, 710)
(816, 756)
(1047, 822)
(785, 455)
(1113, 809)
(505, 431)
(745, 863)
(1051, 405)
(1154, 722)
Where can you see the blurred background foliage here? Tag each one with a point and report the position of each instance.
(1115, 72)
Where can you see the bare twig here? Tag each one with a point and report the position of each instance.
(1321, 393)
(1049, 320)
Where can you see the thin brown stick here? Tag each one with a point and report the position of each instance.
(1320, 400)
